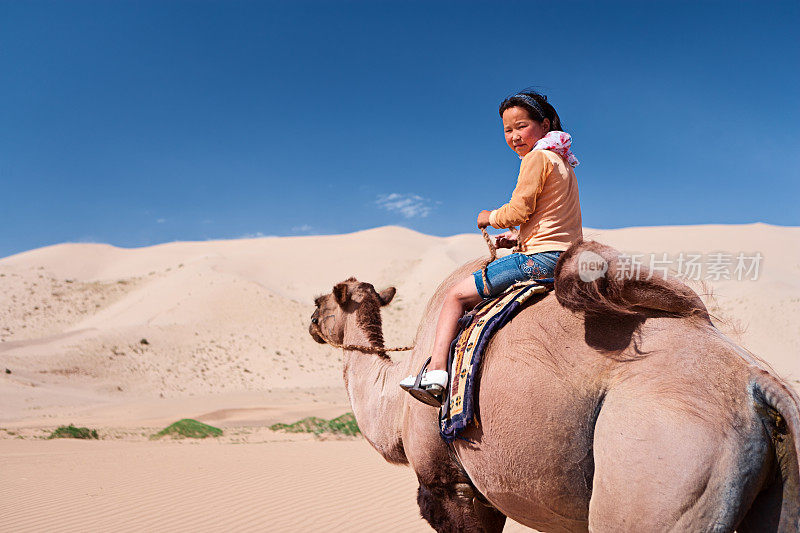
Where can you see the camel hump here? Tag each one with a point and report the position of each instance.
(598, 279)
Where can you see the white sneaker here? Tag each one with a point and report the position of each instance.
(430, 379)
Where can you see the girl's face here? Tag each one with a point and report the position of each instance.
(521, 130)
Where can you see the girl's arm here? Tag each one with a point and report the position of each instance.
(483, 218)
(533, 171)
(507, 239)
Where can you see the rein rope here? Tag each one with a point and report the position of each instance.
(374, 349)
(365, 349)
(369, 349)
(492, 256)
(490, 244)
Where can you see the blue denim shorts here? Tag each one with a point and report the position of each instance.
(513, 268)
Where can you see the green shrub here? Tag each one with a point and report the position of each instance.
(343, 425)
(188, 428)
(71, 432)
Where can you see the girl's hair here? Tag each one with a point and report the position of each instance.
(536, 105)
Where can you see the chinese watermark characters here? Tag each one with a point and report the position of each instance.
(715, 266)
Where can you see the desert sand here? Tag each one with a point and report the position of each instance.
(129, 340)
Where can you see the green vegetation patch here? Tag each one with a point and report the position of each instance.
(71, 432)
(343, 425)
(188, 428)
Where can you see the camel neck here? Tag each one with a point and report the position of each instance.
(375, 396)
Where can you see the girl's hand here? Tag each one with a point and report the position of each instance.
(506, 240)
(483, 218)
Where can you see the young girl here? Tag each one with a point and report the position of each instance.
(544, 204)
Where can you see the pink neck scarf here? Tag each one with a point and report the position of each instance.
(558, 142)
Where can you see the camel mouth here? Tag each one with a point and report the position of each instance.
(315, 334)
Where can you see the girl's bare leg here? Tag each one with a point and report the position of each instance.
(461, 296)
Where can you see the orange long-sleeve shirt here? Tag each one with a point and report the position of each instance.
(544, 204)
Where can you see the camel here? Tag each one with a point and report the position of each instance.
(609, 405)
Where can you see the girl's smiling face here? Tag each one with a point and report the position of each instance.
(521, 130)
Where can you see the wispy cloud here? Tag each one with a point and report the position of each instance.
(256, 235)
(408, 205)
(161, 220)
(305, 228)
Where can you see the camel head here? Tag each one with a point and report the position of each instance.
(350, 297)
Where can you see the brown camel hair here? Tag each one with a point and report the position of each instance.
(610, 407)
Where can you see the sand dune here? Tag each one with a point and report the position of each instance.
(299, 485)
(128, 340)
(206, 487)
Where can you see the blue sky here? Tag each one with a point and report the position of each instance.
(136, 123)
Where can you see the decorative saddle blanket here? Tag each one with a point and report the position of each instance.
(476, 329)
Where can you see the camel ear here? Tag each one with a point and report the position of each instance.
(341, 294)
(386, 295)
